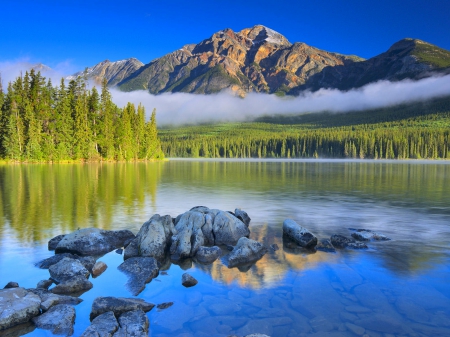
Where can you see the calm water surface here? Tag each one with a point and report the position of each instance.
(395, 288)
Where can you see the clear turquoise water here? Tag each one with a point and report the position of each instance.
(400, 287)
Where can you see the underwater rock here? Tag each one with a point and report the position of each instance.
(188, 281)
(58, 319)
(118, 305)
(140, 271)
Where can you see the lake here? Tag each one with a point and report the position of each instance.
(395, 288)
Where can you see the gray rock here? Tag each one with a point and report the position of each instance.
(325, 245)
(243, 216)
(140, 271)
(164, 305)
(11, 284)
(54, 242)
(93, 241)
(17, 306)
(120, 250)
(228, 229)
(44, 284)
(188, 236)
(98, 268)
(357, 330)
(357, 245)
(48, 299)
(58, 319)
(118, 305)
(154, 236)
(87, 261)
(299, 234)
(274, 247)
(340, 241)
(367, 235)
(104, 325)
(188, 281)
(208, 255)
(75, 285)
(132, 250)
(246, 251)
(67, 269)
(133, 324)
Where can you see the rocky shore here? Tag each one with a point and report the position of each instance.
(201, 234)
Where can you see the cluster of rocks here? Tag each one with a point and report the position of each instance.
(304, 238)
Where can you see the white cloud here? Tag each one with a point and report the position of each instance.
(181, 108)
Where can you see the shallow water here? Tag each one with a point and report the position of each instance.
(399, 287)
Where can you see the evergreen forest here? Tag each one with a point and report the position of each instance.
(41, 122)
(418, 130)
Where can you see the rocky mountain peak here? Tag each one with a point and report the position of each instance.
(259, 34)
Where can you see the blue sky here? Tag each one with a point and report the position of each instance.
(82, 33)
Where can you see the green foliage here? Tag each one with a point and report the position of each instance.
(409, 131)
(433, 55)
(40, 122)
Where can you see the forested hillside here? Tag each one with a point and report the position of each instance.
(40, 122)
(416, 131)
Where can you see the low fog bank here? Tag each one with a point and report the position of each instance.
(181, 108)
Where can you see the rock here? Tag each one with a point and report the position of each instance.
(154, 236)
(75, 285)
(86, 261)
(98, 268)
(67, 269)
(367, 235)
(58, 319)
(10, 285)
(104, 325)
(132, 249)
(188, 236)
(17, 306)
(119, 251)
(118, 305)
(44, 284)
(133, 323)
(340, 241)
(208, 255)
(243, 216)
(48, 299)
(93, 241)
(325, 245)
(228, 229)
(357, 330)
(382, 323)
(54, 242)
(165, 305)
(246, 251)
(140, 271)
(274, 247)
(299, 234)
(188, 281)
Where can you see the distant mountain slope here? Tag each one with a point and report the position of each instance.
(255, 59)
(114, 72)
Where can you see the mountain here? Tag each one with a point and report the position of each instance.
(407, 58)
(259, 59)
(255, 59)
(114, 72)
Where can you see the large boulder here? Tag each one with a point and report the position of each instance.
(188, 236)
(104, 325)
(17, 306)
(93, 241)
(208, 255)
(154, 236)
(58, 319)
(243, 216)
(118, 305)
(228, 229)
(140, 271)
(246, 251)
(67, 269)
(53, 243)
(133, 323)
(299, 234)
(132, 250)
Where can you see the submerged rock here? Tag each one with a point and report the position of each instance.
(208, 255)
(17, 306)
(188, 281)
(325, 245)
(58, 319)
(118, 305)
(299, 234)
(104, 325)
(93, 241)
(367, 235)
(246, 251)
(164, 305)
(140, 270)
(357, 245)
(133, 323)
(75, 285)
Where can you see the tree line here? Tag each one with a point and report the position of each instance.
(42, 122)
